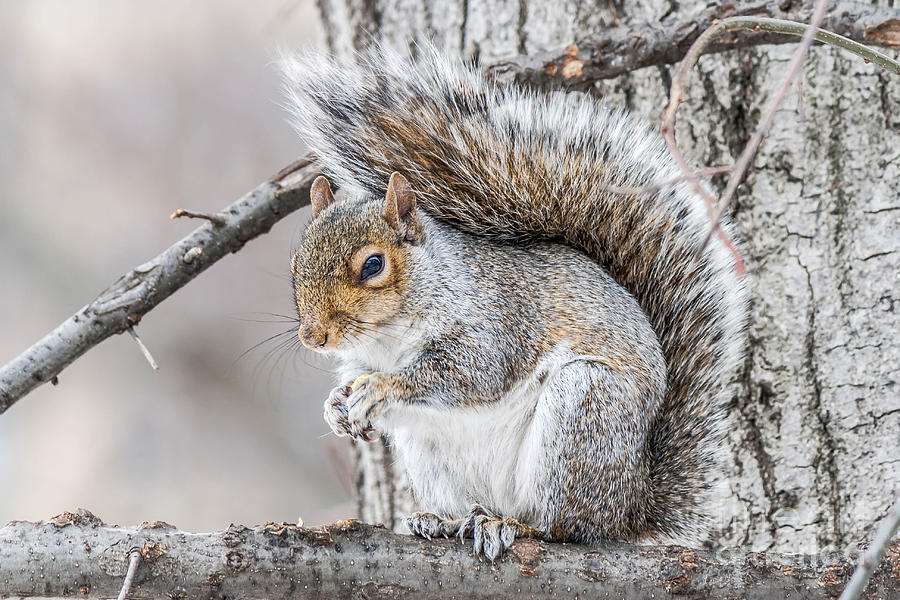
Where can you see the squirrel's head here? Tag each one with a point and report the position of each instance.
(351, 273)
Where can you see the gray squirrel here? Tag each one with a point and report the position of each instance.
(548, 357)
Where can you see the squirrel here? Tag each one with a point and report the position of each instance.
(548, 356)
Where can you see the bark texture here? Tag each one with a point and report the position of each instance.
(75, 554)
(813, 460)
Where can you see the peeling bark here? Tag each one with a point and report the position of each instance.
(76, 554)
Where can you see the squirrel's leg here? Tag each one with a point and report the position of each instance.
(600, 484)
(594, 477)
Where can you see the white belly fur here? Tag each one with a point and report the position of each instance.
(491, 455)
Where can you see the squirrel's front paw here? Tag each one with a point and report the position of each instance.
(368, 399)
(336, 410)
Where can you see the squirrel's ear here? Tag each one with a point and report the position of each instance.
(400, 209)
(320, 195)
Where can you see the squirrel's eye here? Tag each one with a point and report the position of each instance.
(373, 266)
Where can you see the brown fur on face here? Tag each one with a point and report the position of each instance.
(334, 304)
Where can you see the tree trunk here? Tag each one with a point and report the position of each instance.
(813, 460)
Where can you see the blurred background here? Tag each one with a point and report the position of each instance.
(112, 115)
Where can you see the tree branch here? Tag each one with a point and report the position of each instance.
(121, 306)
(618, 50)
(76, 554)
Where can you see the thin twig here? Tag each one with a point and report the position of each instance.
(749, 152)
(827, 37)
(133, 562)
(873, 555)
(691, 176)
(676, 97)
(293, 167)
(217, 221)
(137, 292)
(143, 348)
(698, 48)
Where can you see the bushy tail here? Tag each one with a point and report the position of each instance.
(510, 163)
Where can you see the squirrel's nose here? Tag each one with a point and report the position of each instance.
(313, 337)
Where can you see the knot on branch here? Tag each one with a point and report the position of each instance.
(81, 516)
(235, 561)
(132, 291)
(152, 550)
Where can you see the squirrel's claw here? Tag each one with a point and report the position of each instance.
(485, 540)
(509, 531)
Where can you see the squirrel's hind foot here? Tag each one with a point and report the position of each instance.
(491, 535)
(429, 525)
